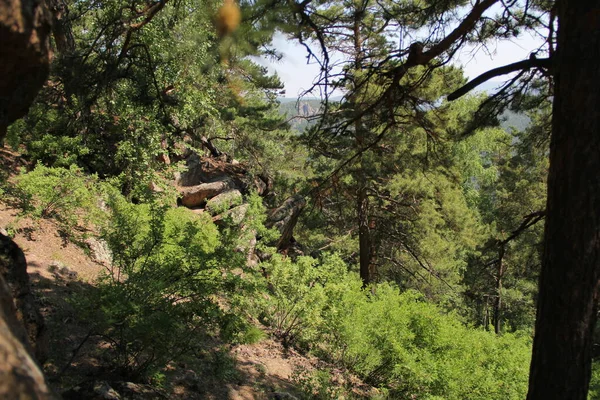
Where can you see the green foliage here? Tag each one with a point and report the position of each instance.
(391, 339)
(66, 195)
(133, 80)
(117, 101)
(517, 190)
(294, 308)
(594, 392)
(158, 298)
(253, 335)
(318, 385)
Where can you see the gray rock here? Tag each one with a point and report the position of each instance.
(100, 251)
(105, 392)
(224, 201)
(236, 215)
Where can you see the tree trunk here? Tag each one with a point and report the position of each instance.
(364, 235)
(498, 298)
(568, 297)
(61, 27)
(366, 248)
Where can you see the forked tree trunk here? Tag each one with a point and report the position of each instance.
(562, 348)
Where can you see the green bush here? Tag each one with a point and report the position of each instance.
(295, 307)
(391, 339)
(594, 392)
(161, 295)
(318, 385)
(67, 195)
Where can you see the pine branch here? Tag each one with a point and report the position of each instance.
(528, 221)
(506, 69)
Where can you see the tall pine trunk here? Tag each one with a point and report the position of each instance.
(498, 298)
(365, 247)
(569, 281)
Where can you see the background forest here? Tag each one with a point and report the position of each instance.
(409, 247)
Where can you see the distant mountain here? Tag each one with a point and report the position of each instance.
(299, 111)
(512, 120)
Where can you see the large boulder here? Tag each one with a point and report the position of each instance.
(208, 170)
(25, 56)
(224, 201)
(195, 196)
(234, 216)
(13, 268)
(20, 376)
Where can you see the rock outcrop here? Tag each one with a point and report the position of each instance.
(224, 201)
(217, 185)
(210, 169)
(13, 268)
(25, 55)
(25, 58)
(20, 376)
(195, 196)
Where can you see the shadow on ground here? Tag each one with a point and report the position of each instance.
(78, 366)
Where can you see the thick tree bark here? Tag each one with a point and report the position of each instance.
(569, 281)
(61, 27)
(24, 57)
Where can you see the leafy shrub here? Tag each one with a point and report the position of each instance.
(160, 295)
(594, 392)
(318, 385)
(391, 339)
(66, 195)
(295, 308)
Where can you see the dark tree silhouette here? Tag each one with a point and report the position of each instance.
(568, 297)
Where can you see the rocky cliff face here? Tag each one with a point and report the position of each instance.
(217, 185)
(301, 113)
(305, 109)
(20, 376)
(13, 268)
(25, 57)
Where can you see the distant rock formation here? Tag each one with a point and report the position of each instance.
(301, 113)
(306, 110)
